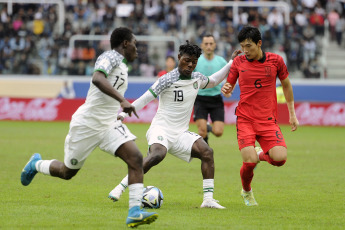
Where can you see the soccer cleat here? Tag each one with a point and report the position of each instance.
(211, 203)
(137, 216)
(116, 193)
(29, 171)
(258, 151)
(248, 198)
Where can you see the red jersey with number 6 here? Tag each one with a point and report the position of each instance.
(257, 82)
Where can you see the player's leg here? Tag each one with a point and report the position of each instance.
(119, 141)
(76, 152)
(156, 154)
(130, 154)
(246, 140)
(204, 152)
(202, 128)
(217, 116)
(201, 116)
(273, 145)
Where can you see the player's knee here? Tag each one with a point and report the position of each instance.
(157, 158)
(218, 133)
(202, 132)
(207, 155)
(68, 174)
(278, 163)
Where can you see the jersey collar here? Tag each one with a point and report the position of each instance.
(182, 77)
(261, 60)
(124, 60)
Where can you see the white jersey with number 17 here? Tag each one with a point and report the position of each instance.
(99, 109)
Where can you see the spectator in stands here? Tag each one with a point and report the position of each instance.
(318, 22)
(333, 18)
(339, 29)
(276, 21)
(170, 64)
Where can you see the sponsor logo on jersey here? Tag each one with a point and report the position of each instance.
(160, 138)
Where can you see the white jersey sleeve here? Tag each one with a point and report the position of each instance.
(107, 61)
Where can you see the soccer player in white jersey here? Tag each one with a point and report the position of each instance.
(94, 124)
(168, 132)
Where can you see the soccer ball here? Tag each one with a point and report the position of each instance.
(152, 197)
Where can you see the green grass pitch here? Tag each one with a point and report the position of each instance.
(306, 193)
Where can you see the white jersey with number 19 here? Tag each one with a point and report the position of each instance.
(99, 109)
(176, 99)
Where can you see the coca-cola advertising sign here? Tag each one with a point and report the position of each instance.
(40, 109)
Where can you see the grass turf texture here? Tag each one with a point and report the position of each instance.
(307, 193)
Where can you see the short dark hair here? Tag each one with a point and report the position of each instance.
(251, 33)
(208, 36)
(119, 35)
(190, 49)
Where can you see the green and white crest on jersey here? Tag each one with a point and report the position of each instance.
(160, 138)
(195, 85)
(74, 161)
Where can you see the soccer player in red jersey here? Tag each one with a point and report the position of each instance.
(256, 72)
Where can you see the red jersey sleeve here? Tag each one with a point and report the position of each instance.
(281, 68)
(233, 74)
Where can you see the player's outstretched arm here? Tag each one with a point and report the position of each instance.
(288, 93)
(219, 76)
(138, 104)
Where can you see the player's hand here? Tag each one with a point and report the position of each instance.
(119, 117)
(227, 89)
(294, 123)
(235, 54)
(128, 108)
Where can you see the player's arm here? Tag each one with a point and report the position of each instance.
(100, 81)
(288, 94)
(139, 103)
(219, 76)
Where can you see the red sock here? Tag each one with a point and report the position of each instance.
(266, 157)
(247, 174)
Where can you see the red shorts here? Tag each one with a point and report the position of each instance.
(267, 134)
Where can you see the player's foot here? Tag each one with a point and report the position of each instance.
(248, 198)
(29, 171)
(258, 152)
(211, 203)
(116, 193)
(137, 216)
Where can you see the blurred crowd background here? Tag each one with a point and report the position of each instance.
(30, 41)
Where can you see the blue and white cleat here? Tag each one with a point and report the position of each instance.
(29, 171)
(137, 216)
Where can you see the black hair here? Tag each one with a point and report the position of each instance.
(192, 50)
(208, 36)
(119, 35)
(251, 33)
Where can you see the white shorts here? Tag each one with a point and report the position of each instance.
(179, 146)
(81, 141)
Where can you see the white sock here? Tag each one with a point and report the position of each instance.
(124, 182)
(42, 166)
(135, 194)
(208, 187)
